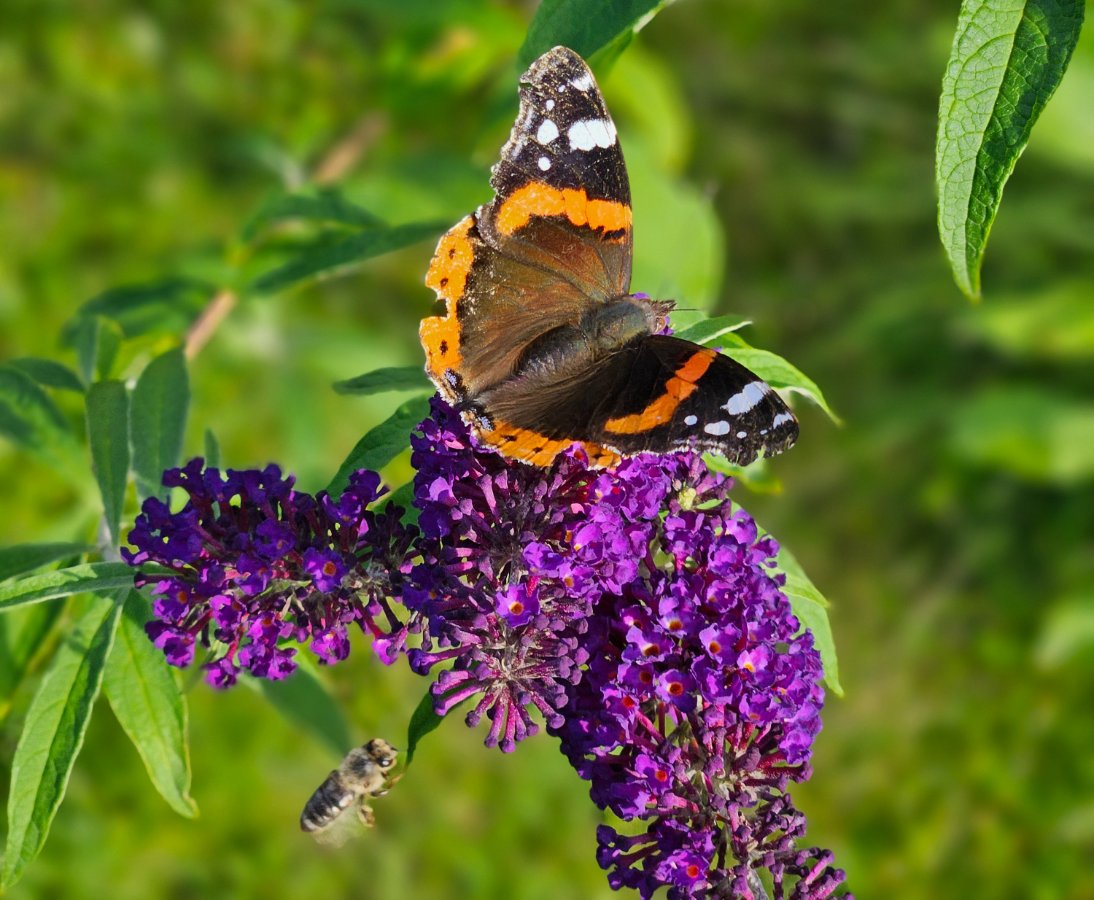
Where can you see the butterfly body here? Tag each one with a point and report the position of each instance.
(540, 342)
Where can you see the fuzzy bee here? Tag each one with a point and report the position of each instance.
(363, 774)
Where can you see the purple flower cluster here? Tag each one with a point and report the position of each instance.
(255, 564)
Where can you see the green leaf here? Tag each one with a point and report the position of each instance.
(330, 254)
(776, 371)
(1006, 61)
(382, 444)
(22, 634)
(707, 330)
(1067, 632)
(305, 702)
(108, 437)
(49, 373)
(30, 419)
(583, 27)
(396, 378)
(96, 340)
(811, 608)
(212, 449)
(20, 558)
(89, 578)
(1028, 431)
(422, 722)
(327, 206)
(149, 706)
(157, 419)
(53, 734)
(168, 305)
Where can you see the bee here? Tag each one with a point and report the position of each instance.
(363, 774)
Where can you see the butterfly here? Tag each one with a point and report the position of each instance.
(540, 343)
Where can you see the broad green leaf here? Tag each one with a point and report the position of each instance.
(22, 634)
(108, 437)
(1052, 321)
(212, 449)
(88, 578)
(331, 254)
(30, 419)
(811, 608)
(157, 419)
(707, 330)
(776, 371)
(583, 27)
(53, 734)
(96, 340)
(149, 706)
(49, 373)
(327, 206)
(396, 378)
(20, 558)
(1029, 431)
(382, 444)
(305, 702)
(160, 306)
(422, 721)
(1008, 57)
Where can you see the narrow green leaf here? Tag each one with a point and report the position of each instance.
(330, 254)
(108, 437)
(708, 330)
(212, 449)
(22, 634)
(811, 608)
(168, 305)
(89, 578)
(422, 722)
(29, 418)
(382, 444)
(1008, 57)
(398, 378)
(305, 702)
(53, 734)
(49, 373)
(96, 340)
(149, 706)
(582, 26)
(327, 206)
(20, 558)
(776, 371)
(157, 419)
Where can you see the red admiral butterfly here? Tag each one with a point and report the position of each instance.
(540, 344)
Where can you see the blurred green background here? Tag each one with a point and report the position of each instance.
(781, 157)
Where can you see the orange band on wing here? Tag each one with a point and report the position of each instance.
(678, 388)
(540, 199)
(538, 449)
(447, 275)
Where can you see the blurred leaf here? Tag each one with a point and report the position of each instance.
(331, 253)
(382, 444)
(157, 419)
(705, 331)
(811, 608)
(759, 476)
(582, 26)
(395, 378)
(327, 206)
(32, 420)
(20, 558)
(305, 702)
(108, 437)
(1067, 632)
(1006, 61)
(22, 633)
(1050, 322)
(212, 449)
(96, 340)
(149, 706)
(49, 373)
(87, 578)
(167, 305)
(776, 371)
(53, 734)
(1029, 431)
(422, 722)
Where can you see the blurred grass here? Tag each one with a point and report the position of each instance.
(795, 142)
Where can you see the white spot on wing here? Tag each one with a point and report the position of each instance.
(544, 163)
(690, 420)
(588, 133)
(780, 419)
(548, 131)
(550, 104)
(746, 398)
(742, 434)
(717, 428)
(583, 83)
